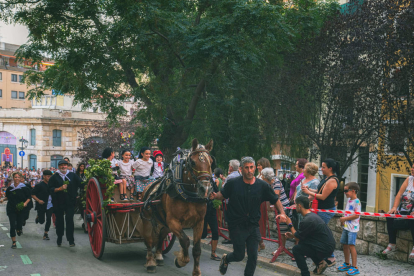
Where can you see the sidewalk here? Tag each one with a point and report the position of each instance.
(368, 265)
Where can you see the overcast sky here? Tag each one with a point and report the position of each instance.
(13, 34)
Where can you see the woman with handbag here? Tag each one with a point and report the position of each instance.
(404, 200)
(325, 197)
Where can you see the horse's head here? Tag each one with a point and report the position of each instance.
(198, 167)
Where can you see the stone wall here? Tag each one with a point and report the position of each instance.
(372, 237)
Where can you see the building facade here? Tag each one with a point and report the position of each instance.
(50, 127)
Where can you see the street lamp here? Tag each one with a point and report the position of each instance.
(25, 143)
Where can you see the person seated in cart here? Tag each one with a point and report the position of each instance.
(63, 187)
(143, 170)
(158, 167)
(109, 154)
(125, 166)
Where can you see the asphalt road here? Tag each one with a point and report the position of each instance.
(37, 257)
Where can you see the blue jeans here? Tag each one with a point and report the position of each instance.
(348, 237)
(326, 217)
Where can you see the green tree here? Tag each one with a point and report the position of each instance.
(196, 67)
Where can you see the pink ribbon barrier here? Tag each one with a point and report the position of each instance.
(367, 214)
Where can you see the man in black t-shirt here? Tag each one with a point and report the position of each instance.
(315, 238)
(245, 193)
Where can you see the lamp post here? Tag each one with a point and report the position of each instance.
(23, 147)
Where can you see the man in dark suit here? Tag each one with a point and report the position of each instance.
(44, 205)
(63, 187)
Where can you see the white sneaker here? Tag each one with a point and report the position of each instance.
(390, 248)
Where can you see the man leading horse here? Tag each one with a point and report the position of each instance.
(246, 193)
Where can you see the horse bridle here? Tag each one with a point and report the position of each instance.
(203, 154)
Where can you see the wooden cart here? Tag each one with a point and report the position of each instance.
(115, 223)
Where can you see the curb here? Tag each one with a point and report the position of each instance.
(261, 261)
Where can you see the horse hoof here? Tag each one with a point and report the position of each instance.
(151, 269)
(160, 262)
(176, 263)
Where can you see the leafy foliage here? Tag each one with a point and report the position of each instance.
(198, 68)
(93, 140)
(101, 170)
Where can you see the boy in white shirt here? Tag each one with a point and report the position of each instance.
(350, 230)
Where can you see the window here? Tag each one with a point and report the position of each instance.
(33, 161)
(14, 78)
(1, 93)
(57, 138)
(21, 79)
(363, 167)
(33, 137)
(21, 96)
(54, 160)
(398, 183)
(14, 94)
(1, 76)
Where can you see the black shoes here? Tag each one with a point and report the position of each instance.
(14, 245)
(72, 244)
(19, 232)
(215, 257)
(223, 264)
(37, 220)
(227, 242)
(59, 241)
(46, 237)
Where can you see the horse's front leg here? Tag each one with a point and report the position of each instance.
(158, 252)
(197, 232)
(182, 257)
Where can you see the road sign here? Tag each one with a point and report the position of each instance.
(21, 153)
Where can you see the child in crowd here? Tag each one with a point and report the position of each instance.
(70, 167)
(126, 173)
(158, 167)
(143, 170)
(350, 225)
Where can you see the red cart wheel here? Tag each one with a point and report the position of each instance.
(95, 218)
(168, 243)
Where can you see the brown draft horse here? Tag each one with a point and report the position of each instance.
(178, 214)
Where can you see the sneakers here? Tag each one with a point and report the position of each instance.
(344, 267)
(14, 246)
(353, 271)
(19, 232)
(37, 220)
(223, 264)
(390, 248)
(46, 237)
(71, 244)
(321, 267)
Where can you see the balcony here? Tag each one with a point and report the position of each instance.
(61, 103)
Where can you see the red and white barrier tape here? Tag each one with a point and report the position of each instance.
(381, 215)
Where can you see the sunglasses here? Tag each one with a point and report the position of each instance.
(345, 191)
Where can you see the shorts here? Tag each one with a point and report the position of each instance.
(348, 237)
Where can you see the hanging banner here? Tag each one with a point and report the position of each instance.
(7, 138)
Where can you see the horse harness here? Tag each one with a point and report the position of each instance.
(173, 184)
